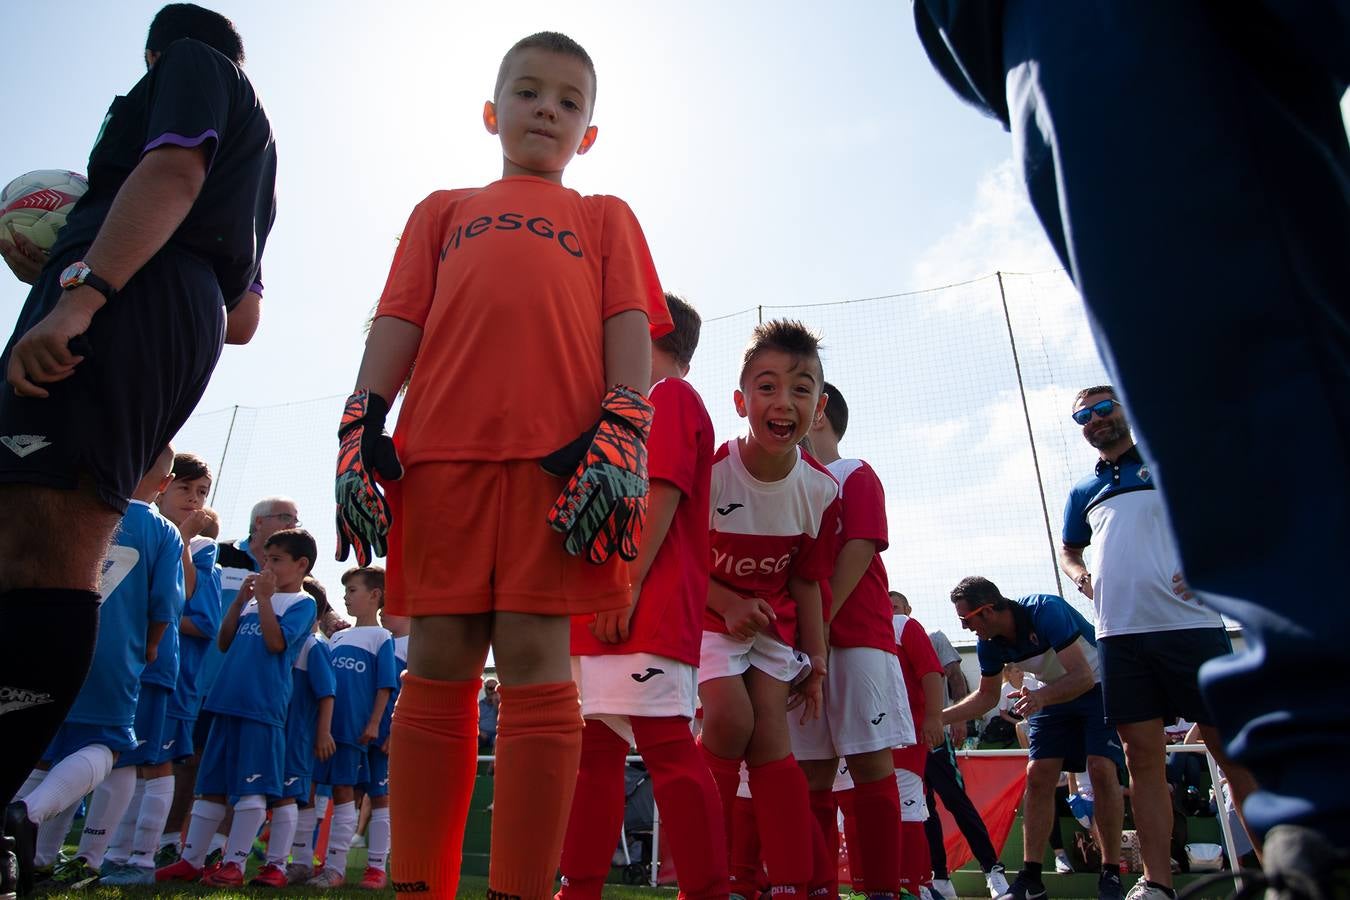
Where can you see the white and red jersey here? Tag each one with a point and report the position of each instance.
(763, 532)
(917, 659)
(668, 620)
(865, 618)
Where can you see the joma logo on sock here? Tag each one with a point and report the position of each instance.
(411, 887)
(501, 895)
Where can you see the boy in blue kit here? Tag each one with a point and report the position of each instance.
(142, 587)
(363, 663)
(261, 635)
(309, 724)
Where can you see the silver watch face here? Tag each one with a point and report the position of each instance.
(73, 276)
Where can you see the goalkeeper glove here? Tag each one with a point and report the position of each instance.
(364, 450)
(604, 505)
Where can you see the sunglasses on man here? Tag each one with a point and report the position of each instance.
(1100, 410)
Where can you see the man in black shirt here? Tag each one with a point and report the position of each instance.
(157, 266)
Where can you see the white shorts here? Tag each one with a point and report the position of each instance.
(723, 656)
(634, 684)
(913, 806)
(843, 781)
(866, 707)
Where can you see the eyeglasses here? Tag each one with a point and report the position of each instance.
(1101, 410)
(965, 620)
(289, 518)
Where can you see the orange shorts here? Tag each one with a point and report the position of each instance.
(474, 539)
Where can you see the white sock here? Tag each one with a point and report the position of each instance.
(205, 819)
(120, 848)
(171, 838)
(377, 838)
(34, 778)
(149, 824)
(340, 835)
(52, 835)
(302, 845)
(68, 781)
(106, 809)
(284, 821)
(218, 840)
(249, 814)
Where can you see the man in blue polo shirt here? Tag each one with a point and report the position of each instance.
(1153, 634)
(1050, 639)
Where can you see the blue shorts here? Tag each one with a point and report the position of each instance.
(297, 787)
(1073, 731)
(75, 736)
(178, 742)
(1156, 675)
(151, 717)
(346, 767)
(376, 776)
(241, 757)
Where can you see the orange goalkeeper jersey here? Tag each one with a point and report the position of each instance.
(511, 285)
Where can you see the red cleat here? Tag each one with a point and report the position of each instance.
(270, 876)
(182, 870)
(374, 880)
(228, 875)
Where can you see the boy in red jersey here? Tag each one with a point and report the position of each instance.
(774, 512)
(530, 311)
(638, 666)
(866, 712)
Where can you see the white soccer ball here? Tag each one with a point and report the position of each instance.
(36, 204)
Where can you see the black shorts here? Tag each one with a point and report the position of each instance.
(1156, 675)
(151, 351)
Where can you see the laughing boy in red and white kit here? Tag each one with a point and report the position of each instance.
(638, 666)
(774, 513)
(866, 711)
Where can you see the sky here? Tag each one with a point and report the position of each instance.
(779, 155)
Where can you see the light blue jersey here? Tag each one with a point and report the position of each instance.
(312, 680)
(254, 683)
(142, 582)
(204, 610)
(234, 563)
(363, 661)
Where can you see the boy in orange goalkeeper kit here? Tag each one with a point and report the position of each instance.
(530, 311)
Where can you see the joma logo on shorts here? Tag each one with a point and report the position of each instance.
(769, 565)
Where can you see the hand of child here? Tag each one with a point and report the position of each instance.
(246, 589)
(264, 586)
(747, 617)
(193, 524)
(611, 625)
(932, 730)
(324, 746)
(808, 692)
(369, 735)
(384, 747)
(364, 451)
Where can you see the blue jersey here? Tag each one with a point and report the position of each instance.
(203, 610)
(235, 562)
(1045, 626)
(363, 661)
(255, 683)
(142, 582)
(400, 666)
(312, 680)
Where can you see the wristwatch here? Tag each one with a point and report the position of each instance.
(78, 274)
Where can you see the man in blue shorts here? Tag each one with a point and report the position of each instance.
(157, 266)
(1066, 726)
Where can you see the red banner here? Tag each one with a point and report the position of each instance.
(995, 785)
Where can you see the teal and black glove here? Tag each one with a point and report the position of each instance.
(364, 450)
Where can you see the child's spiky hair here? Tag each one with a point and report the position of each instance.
(683, 338)
(786, 336)
(297, 542)
(552, 41)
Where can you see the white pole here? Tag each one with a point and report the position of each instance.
(1224, 824)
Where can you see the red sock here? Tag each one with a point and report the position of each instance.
(691, 810)
(783, 812)
(726, 776)
(538, 753)
(597, 813)
(434, 745)
(916, 863)
(824, 844)
(747, 869)
(855, 872)
(878, 808)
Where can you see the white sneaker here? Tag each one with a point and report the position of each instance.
(1142, 890)
(997, 883)
(1062, 864)
(943, 888)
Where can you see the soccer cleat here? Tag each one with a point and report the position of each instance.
(228, 875)
(1108, 887)
(270, 875)
(125, 875)
(1142, 890)
(374, 880)
(996, 880)
(298, 873)
(73, 874)
(182, 870)
(327, 877)
(1062, 864)
(23, 833)
(943, 888)
(167, 855)
(1025, 889)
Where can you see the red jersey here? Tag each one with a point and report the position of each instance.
(763, 532)
(865, 618)
(511, 285)
(917, 659)
(669, 616)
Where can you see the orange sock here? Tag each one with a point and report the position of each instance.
(433, 746)
(538, 752)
